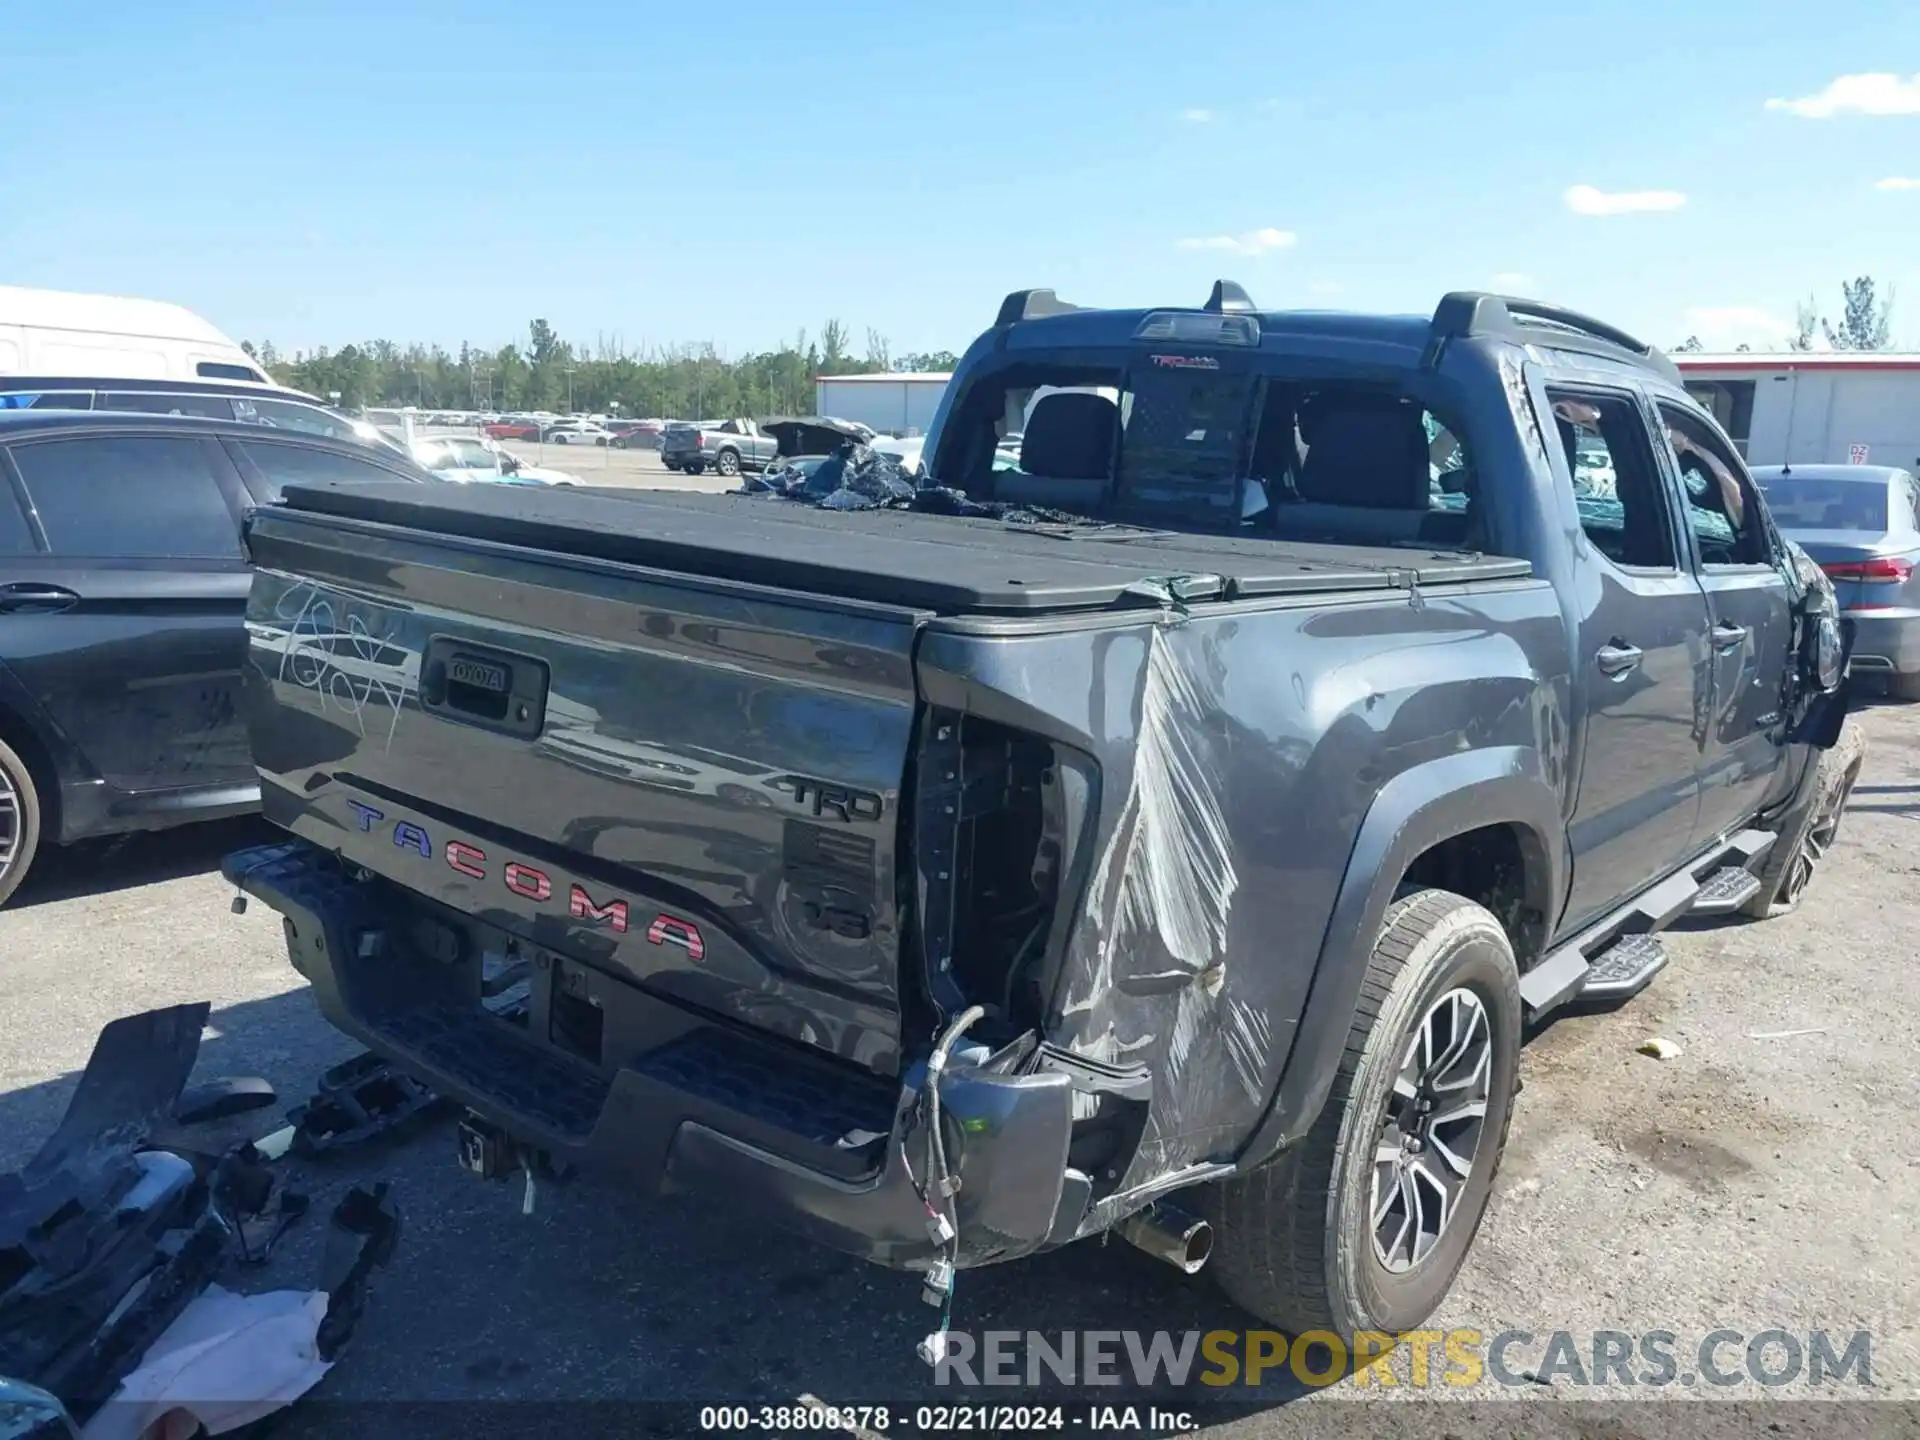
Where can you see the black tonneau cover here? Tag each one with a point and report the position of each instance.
(938, 562)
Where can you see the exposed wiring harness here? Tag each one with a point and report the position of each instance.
(943, 1211)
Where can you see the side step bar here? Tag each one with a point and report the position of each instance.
(1618, 956)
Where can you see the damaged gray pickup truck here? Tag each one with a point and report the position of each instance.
(1173, 832)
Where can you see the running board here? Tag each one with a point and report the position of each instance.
(1617, 956)
(1623, 969)
(1725, 891)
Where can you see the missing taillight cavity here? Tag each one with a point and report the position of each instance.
(991, 853)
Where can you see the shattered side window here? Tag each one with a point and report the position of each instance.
(1450, 479)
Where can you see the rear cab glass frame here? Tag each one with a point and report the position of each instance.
(965, 458)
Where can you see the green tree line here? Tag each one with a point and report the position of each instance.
(1866, 321)
(549, 373)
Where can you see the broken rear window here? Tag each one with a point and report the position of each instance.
(1201, 441)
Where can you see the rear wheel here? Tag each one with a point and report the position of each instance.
(1364, 1224)
(1810, 832)
(19, 821)
(694, 467)
(1904, 687)
(727, 463)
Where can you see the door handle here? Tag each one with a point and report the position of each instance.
(1725, 636)
(1616, 658)
(26, 598)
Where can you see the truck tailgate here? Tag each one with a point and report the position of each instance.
(694, 784)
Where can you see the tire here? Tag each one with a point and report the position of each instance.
(694, 467)
(1810, 831)
(727, 463)
(19, 821)
(1904, 687)
(1295, 1242)
(673, 465)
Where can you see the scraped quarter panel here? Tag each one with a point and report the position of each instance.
(1240, 753)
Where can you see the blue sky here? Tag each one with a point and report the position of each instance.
(668, 173)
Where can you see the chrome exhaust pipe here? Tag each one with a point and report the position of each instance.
(1180, 1239)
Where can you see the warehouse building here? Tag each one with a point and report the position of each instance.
(895, 403)
(1806, 408)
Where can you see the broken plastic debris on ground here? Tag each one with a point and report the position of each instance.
(858, 477)
(227, 1361)
(112, 1235)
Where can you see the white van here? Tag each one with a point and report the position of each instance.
(63, 333)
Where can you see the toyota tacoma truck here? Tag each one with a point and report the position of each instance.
(1170, 830)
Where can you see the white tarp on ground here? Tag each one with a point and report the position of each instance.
(228, 1360)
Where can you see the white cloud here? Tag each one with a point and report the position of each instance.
(1896, 182)
(1512, 282)
(1253, 242)
(1197, 116)
(1586, 200)
(1721, 327)
(1881, 93)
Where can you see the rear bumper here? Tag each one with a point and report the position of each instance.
(696, 1107)
(1885, 642)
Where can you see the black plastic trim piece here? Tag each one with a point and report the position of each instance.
(1463, 314)
(1030, 305)
(1228, 297)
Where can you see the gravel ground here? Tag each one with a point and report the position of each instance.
(1769, 1176)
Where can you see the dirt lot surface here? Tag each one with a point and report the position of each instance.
(1768, 1176)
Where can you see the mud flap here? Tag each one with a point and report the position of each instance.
(1826, 716)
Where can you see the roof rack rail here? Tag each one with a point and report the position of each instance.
(1228, 298)
(1464, 313)
(1030, 305)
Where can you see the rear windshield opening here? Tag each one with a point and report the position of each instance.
(1192, 442)
(1808, 504)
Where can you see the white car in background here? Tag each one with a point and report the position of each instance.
(467, 461)
(577, 432)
